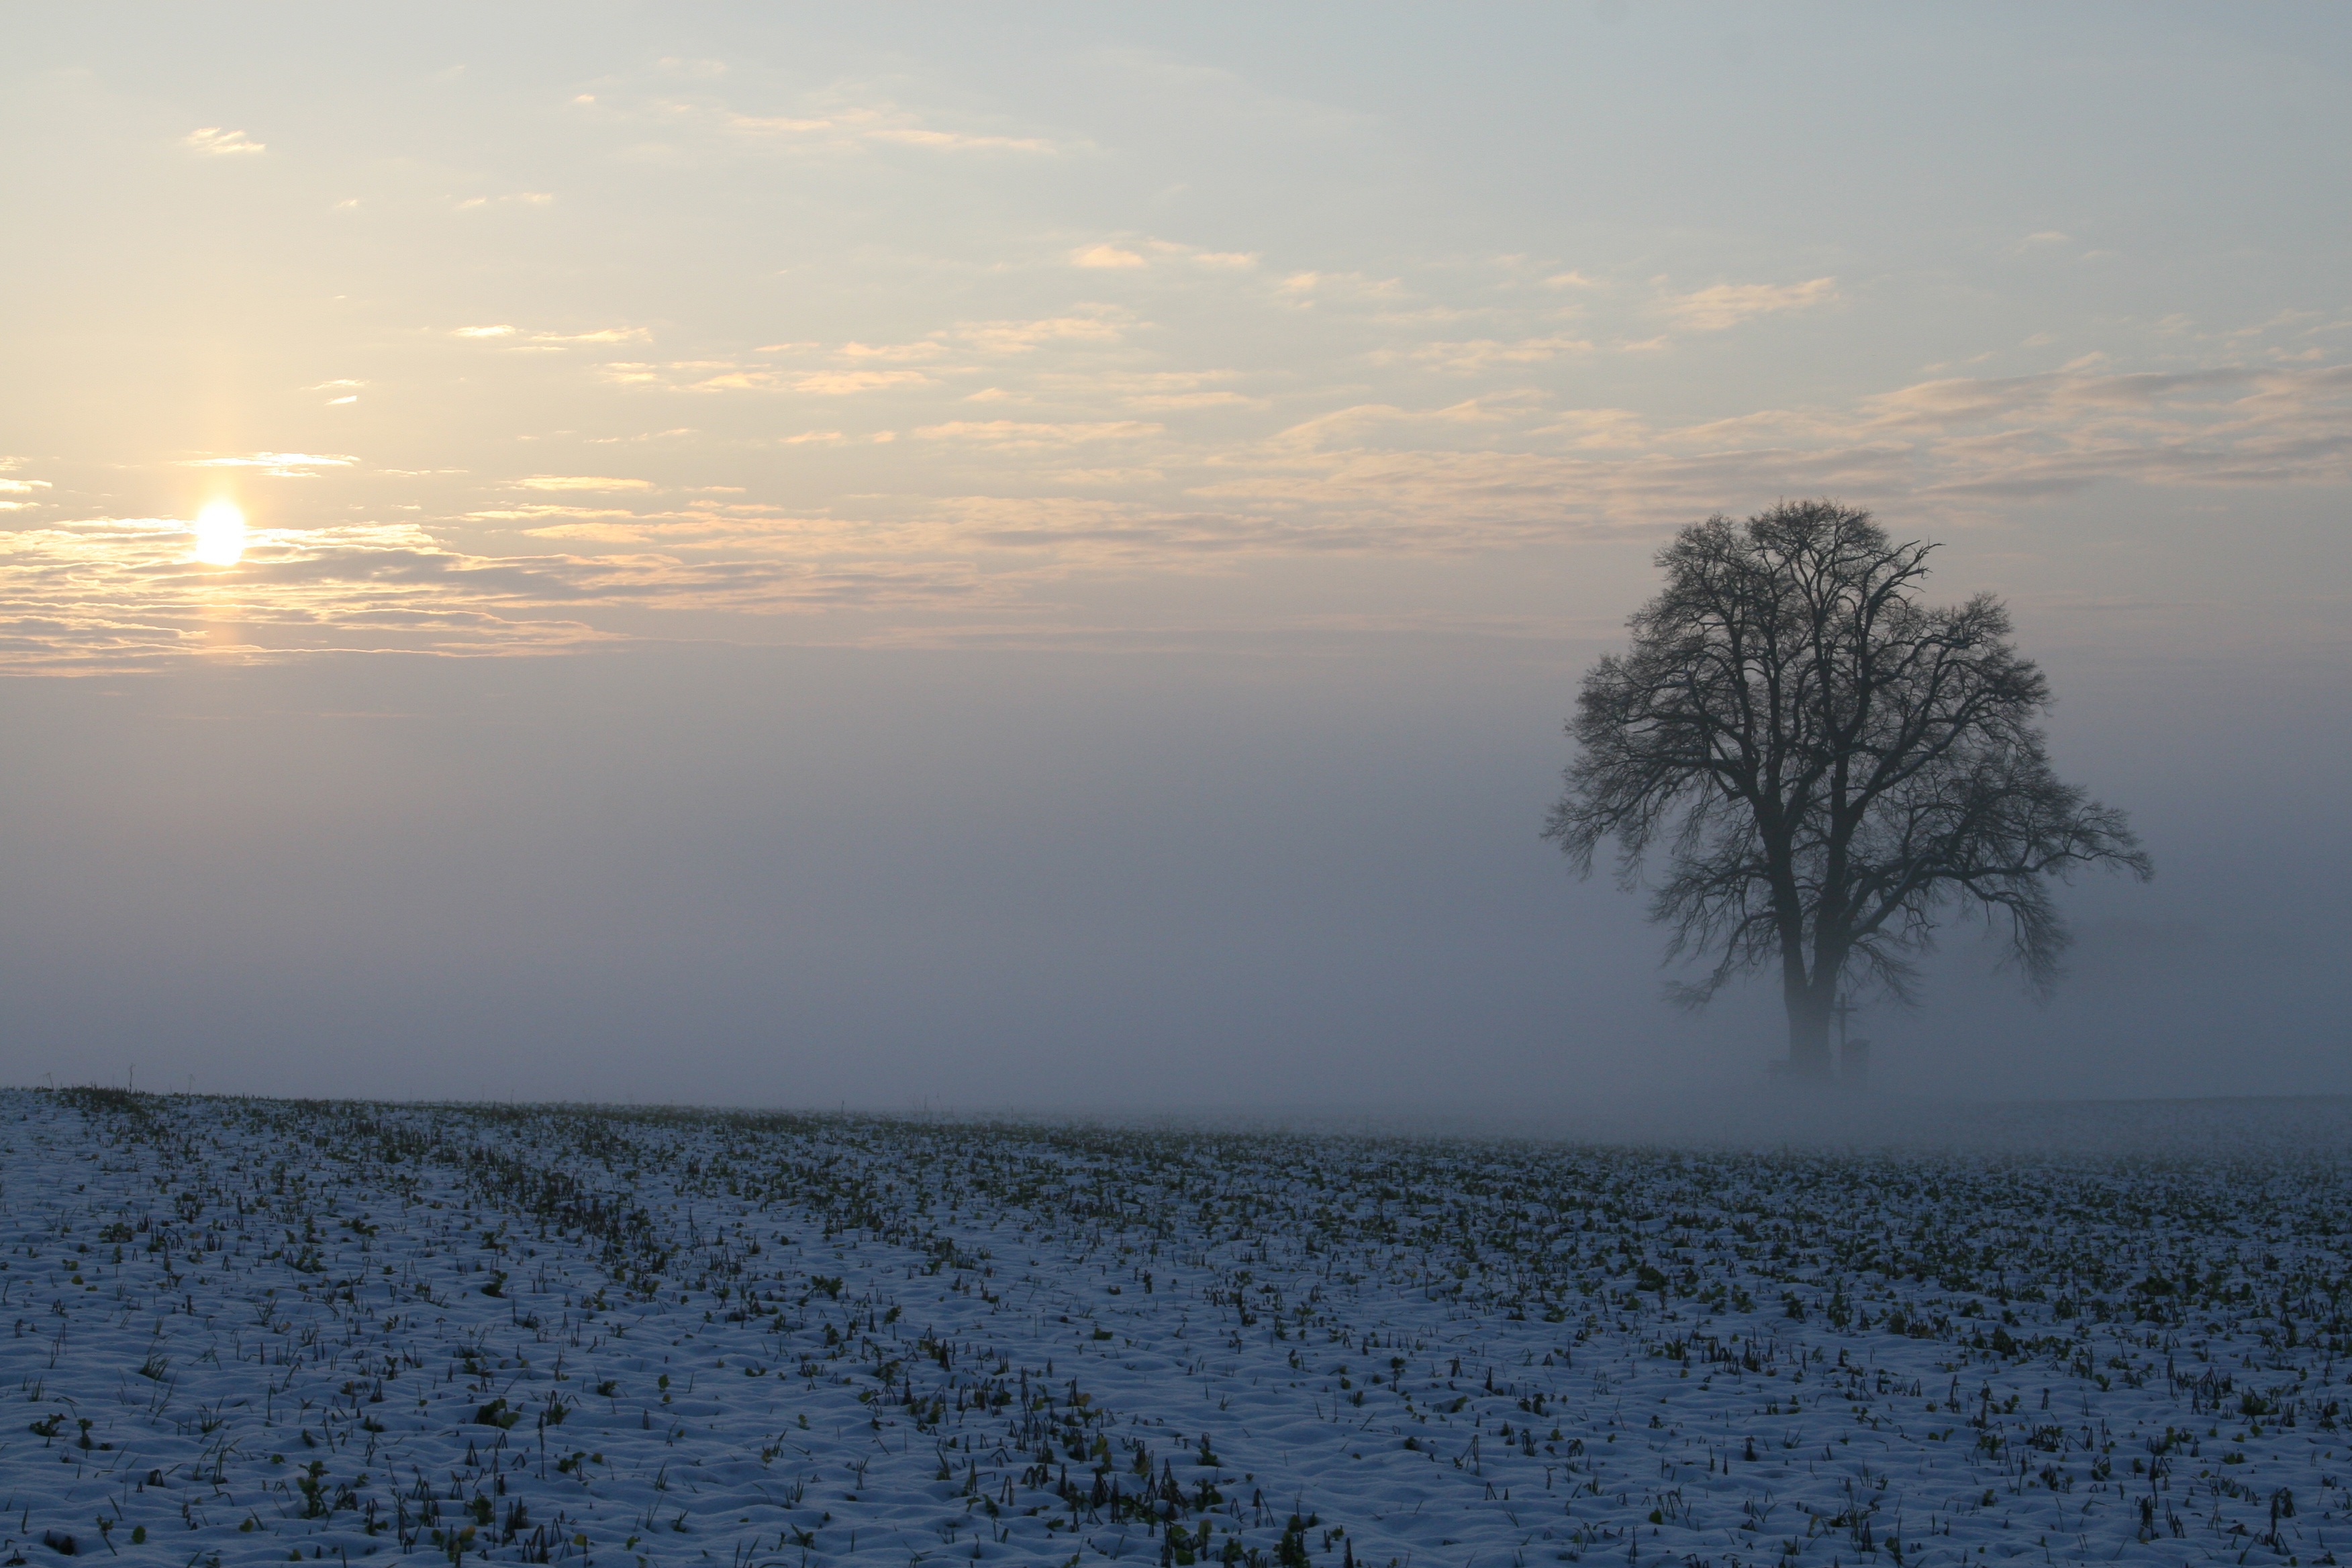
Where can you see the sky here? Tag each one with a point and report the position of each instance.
(982, 558)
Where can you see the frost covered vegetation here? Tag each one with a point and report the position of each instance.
(271, 1332)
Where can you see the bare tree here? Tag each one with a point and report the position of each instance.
(1828, 766)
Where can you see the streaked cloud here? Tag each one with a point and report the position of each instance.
(1478, 354)
(582, 482)
(1214, 398)
(1012, 434)
(862, 128)
(928, 348)
(1096, 325)
(1728, 304)
(852, 368)
(845, 382)
(109, 594)
(601, 335)
(513, 336)
(1375, 476)
(1146, 391)
(991, 513)
(212, 141)
(1307, 291)
(963, 412)
(280, 465)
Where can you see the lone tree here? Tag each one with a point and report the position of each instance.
(1827, 766)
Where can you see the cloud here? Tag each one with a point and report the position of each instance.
(503, 330)
(1356, 423)
(1011, 434)
(1584, 429)
(1470, 476)
(752, 380)
(1304, 290)
(1728, 304)
(1105, 256)
(537, 512)
(859, 129)
(854, 372)
(1102, 477)
(927, 348)
(958, 140)
(212, 141)
(601, 335)
(691, 375)
(776, 124)
(1176, 400)
(724, 376)
(1488, 354)
(279, 465)
(1962, 400)
(1150, 390)
(1087, 476)
(842, 382)
(581, 482)
(122, 594)
(2053, 433)
(1020, 337)
(1220, 261)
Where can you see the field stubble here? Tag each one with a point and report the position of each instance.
(265, 1331)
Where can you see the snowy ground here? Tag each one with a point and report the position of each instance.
(262, 1332)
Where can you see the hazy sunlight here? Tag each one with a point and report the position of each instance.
(220, 534)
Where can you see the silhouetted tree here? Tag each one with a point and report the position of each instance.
(1827, 766)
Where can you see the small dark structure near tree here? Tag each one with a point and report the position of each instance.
(1828, 766)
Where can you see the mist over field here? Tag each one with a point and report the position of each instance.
(934, 561)
(1272, 882)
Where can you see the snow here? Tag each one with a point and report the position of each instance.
(264, 1332)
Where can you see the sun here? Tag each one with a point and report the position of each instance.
(220, 534)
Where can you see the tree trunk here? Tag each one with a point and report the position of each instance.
(1810, 1010)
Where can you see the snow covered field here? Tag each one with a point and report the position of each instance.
(258, 1331)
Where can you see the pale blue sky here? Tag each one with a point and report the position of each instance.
(1352, 358)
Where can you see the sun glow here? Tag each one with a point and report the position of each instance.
(220, 534)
